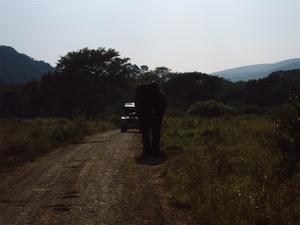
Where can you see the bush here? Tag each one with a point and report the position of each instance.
(287, 126)
(23, 140)
(176, 112)
(225, 173)
(211, 108)
(250, 109)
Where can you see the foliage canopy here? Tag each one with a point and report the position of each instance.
(90, 82)
(87, 77)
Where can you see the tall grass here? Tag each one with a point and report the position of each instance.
(228, 172)
(24, 140)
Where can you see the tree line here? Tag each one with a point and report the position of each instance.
(90, 82)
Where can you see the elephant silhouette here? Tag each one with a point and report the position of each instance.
(151, 104)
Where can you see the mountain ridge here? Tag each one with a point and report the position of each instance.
(245, 73)
(17, 67)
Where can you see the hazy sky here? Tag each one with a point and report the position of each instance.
(183, 35)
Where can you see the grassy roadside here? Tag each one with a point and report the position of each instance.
(229, 172)
(226, 170)
(26, 139)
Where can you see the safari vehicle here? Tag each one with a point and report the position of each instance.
(129, 119)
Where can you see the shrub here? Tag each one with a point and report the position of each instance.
(287, 126)
(211, 108)
(23, 140)
(175, 112)
(223, 171)
(250, 109)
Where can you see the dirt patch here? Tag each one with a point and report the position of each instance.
(101, 180)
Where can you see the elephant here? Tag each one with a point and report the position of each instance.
(151, 105)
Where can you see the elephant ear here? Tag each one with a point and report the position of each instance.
(146, 99)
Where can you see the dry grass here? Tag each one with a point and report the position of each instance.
(225, 170)
(24, 140)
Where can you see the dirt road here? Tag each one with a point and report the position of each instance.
(101, 180)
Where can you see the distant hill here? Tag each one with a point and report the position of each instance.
(254, 72)
(20, 68)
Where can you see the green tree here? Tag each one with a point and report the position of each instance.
(144, 68)
(10, 100)
(184, 89)
(257, 92)
(163, 73)
(160, 75)
(30, 99)
(147, 77)
(93, 79)
(52, 93)
(232, 92)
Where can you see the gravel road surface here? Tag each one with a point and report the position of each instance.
(101, 180)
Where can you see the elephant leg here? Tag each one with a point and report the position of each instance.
(146, 142)
(155, 130)
(145, 128)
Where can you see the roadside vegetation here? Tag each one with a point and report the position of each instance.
(233, 147)
(236, 169)
(24, 140)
